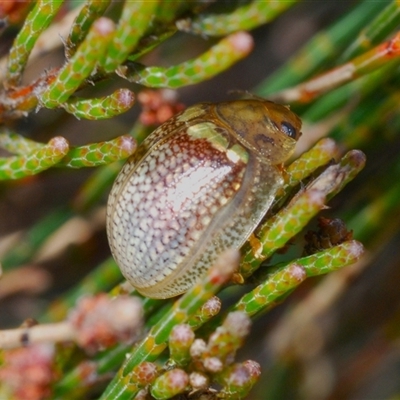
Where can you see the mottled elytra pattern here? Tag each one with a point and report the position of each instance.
(194, 189)
(168, 195)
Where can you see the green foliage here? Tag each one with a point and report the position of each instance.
(353, 99)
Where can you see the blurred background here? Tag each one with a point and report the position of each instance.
(336, 337)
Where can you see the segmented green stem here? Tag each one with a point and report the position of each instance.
(320, 154)
(16, 167)
(36, 22)
(81, 64)
(208, 310)
(169, 384)
(283, 279)
(237, 380)
(17, 144)
(246, 17)
(90, 155)
(218, 58)
(96, 154)
(290, 220)
(332, 259)
(123, 385)
(279, 229)
(135, 20)
(229, 336)
(112, 358)
(101, 108)
(179, 342)
(92, 10)
(350, 165)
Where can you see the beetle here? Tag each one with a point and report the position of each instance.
(199, 184)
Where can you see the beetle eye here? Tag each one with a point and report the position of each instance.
(288, 129)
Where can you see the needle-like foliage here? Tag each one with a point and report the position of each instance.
(83, 112)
